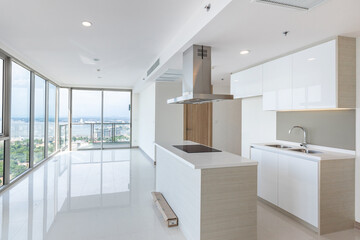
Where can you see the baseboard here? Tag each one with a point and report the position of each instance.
(357, 225)
(293, 217)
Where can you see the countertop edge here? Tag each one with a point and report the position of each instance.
(328, 156)
(193, 166)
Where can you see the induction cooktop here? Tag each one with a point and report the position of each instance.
(196, 148)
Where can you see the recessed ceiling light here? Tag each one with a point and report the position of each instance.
(244, 52)
(311, 59)
(99, 77)
(86, 24)
(96, 59)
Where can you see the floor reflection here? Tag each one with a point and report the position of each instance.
(69, 183)
(105, 195)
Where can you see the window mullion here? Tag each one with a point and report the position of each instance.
(46, 137)
(7, 118)
(32, 119)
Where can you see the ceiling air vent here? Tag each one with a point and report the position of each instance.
(171, 75)
(152, 68)
(299, 4)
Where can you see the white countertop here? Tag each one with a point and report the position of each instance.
(206, 159)
(323, 155)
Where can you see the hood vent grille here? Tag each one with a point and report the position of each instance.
(298, 4)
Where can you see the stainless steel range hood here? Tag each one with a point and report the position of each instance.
(196, 84)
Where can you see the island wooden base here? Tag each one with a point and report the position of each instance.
(228, 203)
(211, 203)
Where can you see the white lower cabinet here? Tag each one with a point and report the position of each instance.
(267, 174)
(288, 182)
(298, 187)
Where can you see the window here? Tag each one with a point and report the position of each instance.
(86, 119)
(20, 120)
(63, 117)
(39, 123)
(51, 119)
(1, 163)
(1, 91)
(116, 119)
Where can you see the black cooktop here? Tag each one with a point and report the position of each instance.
(198, 148)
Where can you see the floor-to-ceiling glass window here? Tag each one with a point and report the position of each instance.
(51, 119)
(39, 119)
(86, 119)
(20, 120)
(1, 125)
(63, 117)
(116, 119)
(1, 93)
(1, 163)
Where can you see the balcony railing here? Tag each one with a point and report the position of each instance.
(89, 135)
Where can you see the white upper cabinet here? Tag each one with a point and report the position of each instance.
(277, 86)
(314, 77)
(320, 77)
(247, 83)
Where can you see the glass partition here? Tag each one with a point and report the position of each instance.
(116, 119)
(1, 163)
(63, 117)
(86, 119)
(1, 93)
(39, 124)
(51, 119)
(20, 120)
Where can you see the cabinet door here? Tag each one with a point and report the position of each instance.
(247, 83)
(314, 77)
(298, 187)
(277, 85)
(267, 174)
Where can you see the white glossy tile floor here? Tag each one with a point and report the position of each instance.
(105, 195)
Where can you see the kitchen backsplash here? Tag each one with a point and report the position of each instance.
(333, 128)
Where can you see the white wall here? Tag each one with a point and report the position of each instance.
(146, 120)
(226, 122)
(135, 120)
(258, 126)
(168, 117)
(357, 181)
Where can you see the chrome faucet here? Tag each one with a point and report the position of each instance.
(304, 143)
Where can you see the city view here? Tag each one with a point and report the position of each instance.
(88, 129)
(86, 135)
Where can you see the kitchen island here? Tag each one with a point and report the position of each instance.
(214, 194)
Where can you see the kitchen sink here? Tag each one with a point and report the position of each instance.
(278, 146)
(305, 151)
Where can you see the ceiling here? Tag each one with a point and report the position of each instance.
(258, 27)
(127, 36)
